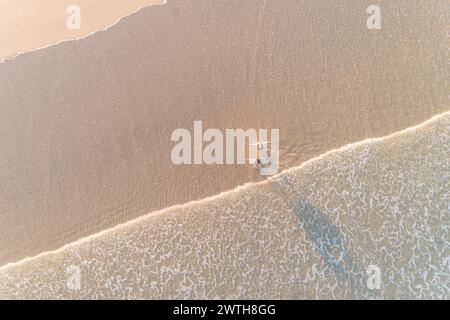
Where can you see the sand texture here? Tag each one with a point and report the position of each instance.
(310, 232)
(85, 125)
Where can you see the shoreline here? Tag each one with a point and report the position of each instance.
(53, 36)
(148, 244)
(235, 191)
(86, 135)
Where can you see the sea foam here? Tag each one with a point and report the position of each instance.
(310, 232)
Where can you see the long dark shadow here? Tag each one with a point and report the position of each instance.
(327, 238)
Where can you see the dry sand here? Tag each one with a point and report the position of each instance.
(311, 232)
(85, 131)
(30, 24)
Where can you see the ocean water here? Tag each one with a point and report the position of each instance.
(313, 231)
(85, 125)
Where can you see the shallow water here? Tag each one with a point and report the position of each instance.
(85, 125)
(311, 232)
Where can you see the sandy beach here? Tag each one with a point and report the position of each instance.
(87, 123)
(278, 239)
(31, 24)
(85, 139)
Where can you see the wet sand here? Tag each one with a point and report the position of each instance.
(30, 24)
(86, 125)
(311, 232)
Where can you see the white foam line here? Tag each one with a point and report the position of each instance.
(8, 58)
(367, 141)
(222, 194)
